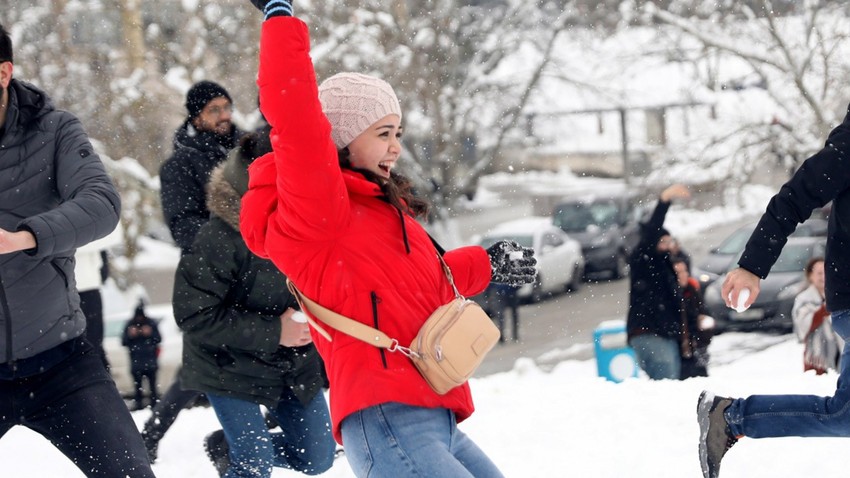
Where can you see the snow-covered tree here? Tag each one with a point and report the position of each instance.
(453, 65)
(799, 62)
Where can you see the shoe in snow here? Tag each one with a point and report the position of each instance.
(715, 438)
(218, 451)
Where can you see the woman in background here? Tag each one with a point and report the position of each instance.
(812, 323)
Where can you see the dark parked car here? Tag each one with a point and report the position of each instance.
(605, 226)
(772, 309)
(719, 259)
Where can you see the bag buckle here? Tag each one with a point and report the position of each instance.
(406, 351)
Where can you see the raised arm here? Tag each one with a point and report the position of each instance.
(310, 189)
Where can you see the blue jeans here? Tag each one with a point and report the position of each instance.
(76, 406)
(393, 440)
(305, 443)
(659, 357)
(765, 416)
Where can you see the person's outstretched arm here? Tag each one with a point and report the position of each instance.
(300, 186)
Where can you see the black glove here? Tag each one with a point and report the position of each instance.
(516, 270)
(274, 8)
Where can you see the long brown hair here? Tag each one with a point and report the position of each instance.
(398, 190)
(811, 265)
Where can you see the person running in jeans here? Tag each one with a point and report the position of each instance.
(328, 208)
(822, 178)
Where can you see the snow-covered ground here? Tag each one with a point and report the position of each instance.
(567, 422)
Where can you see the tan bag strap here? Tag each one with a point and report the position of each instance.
(351, 327)
(448, 273)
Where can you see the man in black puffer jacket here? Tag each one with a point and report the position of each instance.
(55, 196)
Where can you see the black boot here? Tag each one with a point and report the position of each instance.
(218, 451)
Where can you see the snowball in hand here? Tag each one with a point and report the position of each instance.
(743, 296)
(299, 316)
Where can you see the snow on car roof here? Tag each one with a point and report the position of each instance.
(525, 224)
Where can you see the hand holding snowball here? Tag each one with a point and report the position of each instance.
(740, 289)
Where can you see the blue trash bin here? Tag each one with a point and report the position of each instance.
(615, 360)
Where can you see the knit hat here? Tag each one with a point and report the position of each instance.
(202, 93)
(352, 102)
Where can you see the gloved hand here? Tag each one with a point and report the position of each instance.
(512, 264)
(274, 8)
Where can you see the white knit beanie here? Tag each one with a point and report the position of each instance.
(353, 102)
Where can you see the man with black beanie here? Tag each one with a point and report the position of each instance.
(200, 144)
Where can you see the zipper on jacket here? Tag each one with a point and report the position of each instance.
(8, 325)
(375, 301)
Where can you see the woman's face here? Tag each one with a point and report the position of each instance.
(377, 149)
(816, 277)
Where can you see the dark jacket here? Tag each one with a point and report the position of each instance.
(141, 336)
(54, 185)
(228, 303)
(653, 298)
(184, 176)
(821, 178)
(694, 307)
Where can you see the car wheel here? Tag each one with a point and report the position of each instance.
(621, 268)
(575, 281)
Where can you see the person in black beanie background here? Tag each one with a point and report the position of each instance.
(200, 144)
(654, 323)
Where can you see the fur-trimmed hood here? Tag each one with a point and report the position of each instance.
(222, 198)
(229, 180)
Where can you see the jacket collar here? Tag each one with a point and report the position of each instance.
(187, 136)
(27, 103)
(356, 183)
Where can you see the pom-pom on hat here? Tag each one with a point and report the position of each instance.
(352, 102)
(202, 93)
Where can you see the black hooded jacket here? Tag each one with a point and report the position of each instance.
(228, 303)
(53, 184)
(654, 299)
(184, 176)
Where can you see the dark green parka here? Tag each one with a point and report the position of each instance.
(228, 303)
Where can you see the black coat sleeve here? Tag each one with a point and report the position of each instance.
(183, 200)
(819, 180)
(650, 231)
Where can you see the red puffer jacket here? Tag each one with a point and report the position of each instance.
(331, 233)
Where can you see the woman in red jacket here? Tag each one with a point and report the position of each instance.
(327, 208)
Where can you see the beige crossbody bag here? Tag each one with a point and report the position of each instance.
(448, 349)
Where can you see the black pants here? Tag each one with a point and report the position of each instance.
(166, 410)
(75, 405)
(138, 377)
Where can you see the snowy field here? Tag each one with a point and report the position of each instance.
(568, 422)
